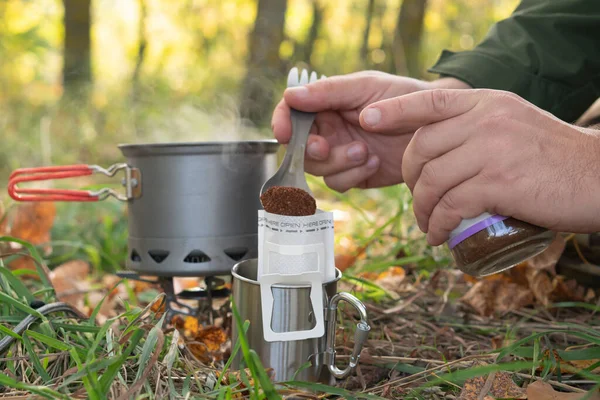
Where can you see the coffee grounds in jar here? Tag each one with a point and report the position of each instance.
(284, 200)
(492, 239)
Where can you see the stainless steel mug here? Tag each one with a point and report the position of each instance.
(311, 360)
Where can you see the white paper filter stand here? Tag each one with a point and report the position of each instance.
(294, 251)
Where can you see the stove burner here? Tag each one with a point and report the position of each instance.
(203, 296)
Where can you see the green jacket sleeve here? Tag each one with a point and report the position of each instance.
(547, 51)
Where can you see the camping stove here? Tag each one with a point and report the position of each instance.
(196, 302)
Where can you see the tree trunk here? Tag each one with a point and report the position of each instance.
(407, 37)
(313, 34)
(143, 43)
(263, 65)
(77, 72)
(364, 48)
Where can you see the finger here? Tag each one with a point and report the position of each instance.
(341, 158)
(355, 177)
(281, 123)
(466, 200)
(317, 147)
(439, 176)
(412, 111)
(333, 93)
(431, 142)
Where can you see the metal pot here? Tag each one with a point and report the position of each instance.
(192, 206)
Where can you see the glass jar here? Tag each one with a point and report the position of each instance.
(489, 244)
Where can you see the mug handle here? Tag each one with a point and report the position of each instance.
(360, 335)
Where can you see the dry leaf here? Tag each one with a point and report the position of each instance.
(548, 258)
(391, 279)
(207, 343)
(539, 390)
(190, 327)
(212, 337)
(540, 284)
(502, 386)
(70, 282)
(31, 221)
(497, 296)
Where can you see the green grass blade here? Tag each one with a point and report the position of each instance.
(246, 349)
(319, 387)
(37, 365)
(265, 381)
(35, 254)
(46, 392)
(47, 340)
(16, 285)
(236, 349)
(110, 374)
(147, 350)
(6, 299)
(9, 332)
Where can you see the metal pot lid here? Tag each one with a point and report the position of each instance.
(238, 147)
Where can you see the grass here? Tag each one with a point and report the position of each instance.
(408, 355)
(131, 356)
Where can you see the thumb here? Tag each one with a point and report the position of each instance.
(342, 92)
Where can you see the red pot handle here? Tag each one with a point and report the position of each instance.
(131, 182)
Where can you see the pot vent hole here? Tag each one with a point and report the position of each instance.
(135, 257)
(236, 253)
(158, 255)
(196, 257)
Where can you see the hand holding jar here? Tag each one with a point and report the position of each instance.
(484, 151)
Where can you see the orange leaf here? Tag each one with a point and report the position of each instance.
(539, 390)
(212, 337)
(207, 343)
(31, 221)
(502, 386)
(190, 327)
(70, 282)
(497, 296)
(391, 279)
(548, 258)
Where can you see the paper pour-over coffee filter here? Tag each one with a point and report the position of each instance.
(293, 245)
(295, 251)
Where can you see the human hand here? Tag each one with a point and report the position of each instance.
(478, 151)
(338, 148)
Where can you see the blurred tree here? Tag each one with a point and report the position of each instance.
(263, 62)
(313, 33)
(77, 71)
(143, 43)
(407, 37)
(364, 48)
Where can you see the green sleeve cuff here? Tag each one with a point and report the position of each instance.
(482, 70)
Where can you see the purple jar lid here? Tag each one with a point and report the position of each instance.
(473, 229)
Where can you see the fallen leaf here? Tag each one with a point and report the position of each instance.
(70, 282)
(502, 386)
(31, 221)
(391, 279)
(547, 259)
(497, 296)
(540, 284)
(567, 290)
(190, 327)
(539, 390)
(207, 343)
(212, 336)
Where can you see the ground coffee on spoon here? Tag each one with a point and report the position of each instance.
(284, 200)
